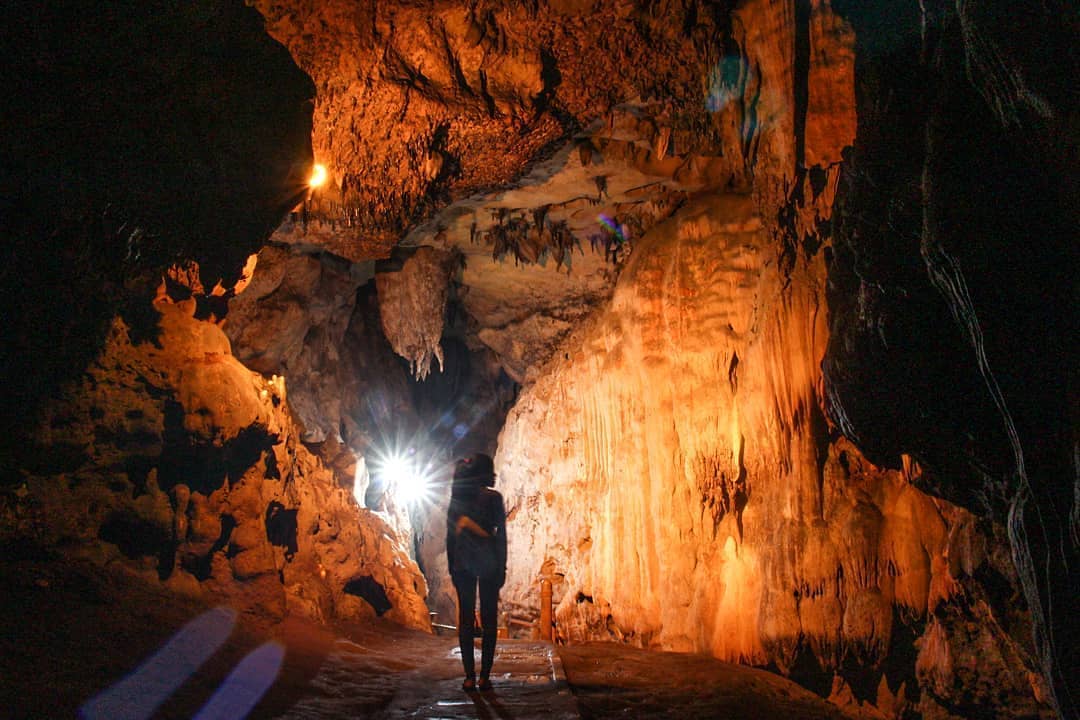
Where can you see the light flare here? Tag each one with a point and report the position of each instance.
(612, 226)
(407, 478)
(318, 176)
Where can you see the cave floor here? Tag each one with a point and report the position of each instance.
(69, 631)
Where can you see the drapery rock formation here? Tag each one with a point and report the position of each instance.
(672, 469)
(412, 307)
(675, 478)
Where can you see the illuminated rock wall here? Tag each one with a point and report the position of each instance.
(674, 476)
(293, 319)
(174, 461)
(141, 135)
(420, 103)
(672, 470)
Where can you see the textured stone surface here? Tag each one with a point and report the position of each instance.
(671, 469)
(953, 294)
(537, 131)
(296, 318)
(176, 461)
(420, 103)
(139, 134)
(412, 307)
(642, 195)
(673, 474)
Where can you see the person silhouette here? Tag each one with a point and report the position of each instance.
(476, 555)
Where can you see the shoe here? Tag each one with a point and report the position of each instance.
(469, 685)
(484, 685)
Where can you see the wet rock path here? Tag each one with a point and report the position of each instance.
(70, 633)
(528, 680)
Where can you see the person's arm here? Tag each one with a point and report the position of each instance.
(451, 539)
(467, 523)
(500, 538)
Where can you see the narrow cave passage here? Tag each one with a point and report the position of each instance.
(764, 312)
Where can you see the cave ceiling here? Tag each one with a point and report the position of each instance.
(534, 142)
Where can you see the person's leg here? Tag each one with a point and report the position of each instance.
(466, 592)
(489, 619)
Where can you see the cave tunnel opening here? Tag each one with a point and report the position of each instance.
(370, 591)
(281, 528)
(457, 409)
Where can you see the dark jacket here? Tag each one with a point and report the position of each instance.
(476, 533)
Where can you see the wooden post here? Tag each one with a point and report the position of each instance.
(547, 619)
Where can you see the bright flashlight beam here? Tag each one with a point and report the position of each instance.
(406, 480)
(318, 176)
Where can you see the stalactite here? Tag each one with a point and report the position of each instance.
(412, 305)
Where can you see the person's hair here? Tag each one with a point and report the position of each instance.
(477, 470)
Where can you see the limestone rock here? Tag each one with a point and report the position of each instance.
(412, 306)
(293, 319)
(538, 136)
(139, 135)
(191, 473)
(427, 103)
(672, 472)
(949, 322)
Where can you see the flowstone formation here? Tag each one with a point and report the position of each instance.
(642, 197)
(673, 475)
(672, 469)
(171, 460)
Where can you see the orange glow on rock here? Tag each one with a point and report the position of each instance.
(318, 176)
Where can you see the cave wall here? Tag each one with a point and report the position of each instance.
(305, 315)
(148, 150)
(137, 135)
(672, 473)
(759, 113)
(171, 460)
(953, 295)
(673, 469)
